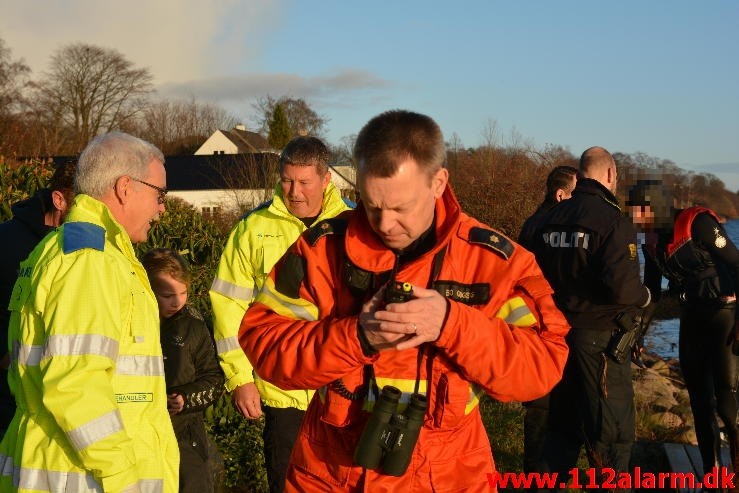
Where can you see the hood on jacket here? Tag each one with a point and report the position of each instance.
(31, 211)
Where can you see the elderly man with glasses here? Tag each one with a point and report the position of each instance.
(86, 367)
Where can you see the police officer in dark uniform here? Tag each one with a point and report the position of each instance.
(561, 181)
(691, 249)
(587, 250)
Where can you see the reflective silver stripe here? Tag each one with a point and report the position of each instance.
(232, 290)
(516, 314)
(139, 365)
(151, 486)
(29, 355)
(77, 482)
(81, 344)
(298, 311)
(95, 430)
(38, 479)
(227, 344)
(8, 468)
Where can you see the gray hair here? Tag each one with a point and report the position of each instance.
(108, 157)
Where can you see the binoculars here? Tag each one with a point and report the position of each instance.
(389, 437)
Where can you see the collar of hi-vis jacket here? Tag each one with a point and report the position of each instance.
(332, 204)
(89, 210)
(365, 249)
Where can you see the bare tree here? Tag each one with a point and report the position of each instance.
(302, 119)
(180, 127)
(251, 178)
(13, 80)
(341, 154)
(91, 90)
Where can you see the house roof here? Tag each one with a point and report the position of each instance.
(221, 171)
(246, 141)
(217, 171)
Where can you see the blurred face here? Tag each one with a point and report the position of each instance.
(303, 189)
(641, 215)
(171, 294)
(401, 208)
(145, 205)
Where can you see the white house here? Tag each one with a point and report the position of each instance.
(234, 170)
(236, 141)
(227, 183)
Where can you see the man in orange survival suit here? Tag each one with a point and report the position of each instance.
(481, 320)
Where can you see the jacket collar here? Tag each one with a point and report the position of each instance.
(594, 187)
(332, 204)
(90, 210)
(365, 249)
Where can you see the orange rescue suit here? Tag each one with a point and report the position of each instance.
(503, 335)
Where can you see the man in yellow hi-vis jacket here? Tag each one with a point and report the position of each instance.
(304, 195)
(87, 370)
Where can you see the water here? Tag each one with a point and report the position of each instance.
(662, 336)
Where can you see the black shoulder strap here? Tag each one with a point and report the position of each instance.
(331, 226)
(492, 240)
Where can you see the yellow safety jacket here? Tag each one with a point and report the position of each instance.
(255, 244)
(87, 370)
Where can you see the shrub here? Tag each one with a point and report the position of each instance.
(19, 181)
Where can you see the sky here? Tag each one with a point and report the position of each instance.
(659, 77)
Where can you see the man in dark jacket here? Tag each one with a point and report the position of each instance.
(561, 182)
(32, 219)
(587, 250)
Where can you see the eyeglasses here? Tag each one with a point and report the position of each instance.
(161, 191)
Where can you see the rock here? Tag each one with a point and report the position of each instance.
(659, 366)
(663, 403)
(651, 388)
(688, 436)
(667, 420)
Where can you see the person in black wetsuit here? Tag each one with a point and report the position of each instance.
(692, 250)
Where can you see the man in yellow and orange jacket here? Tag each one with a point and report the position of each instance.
(480, 319)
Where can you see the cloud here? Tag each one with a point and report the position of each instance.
(175, 39)
(328, 89)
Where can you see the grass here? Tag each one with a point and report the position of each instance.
(240, 444)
